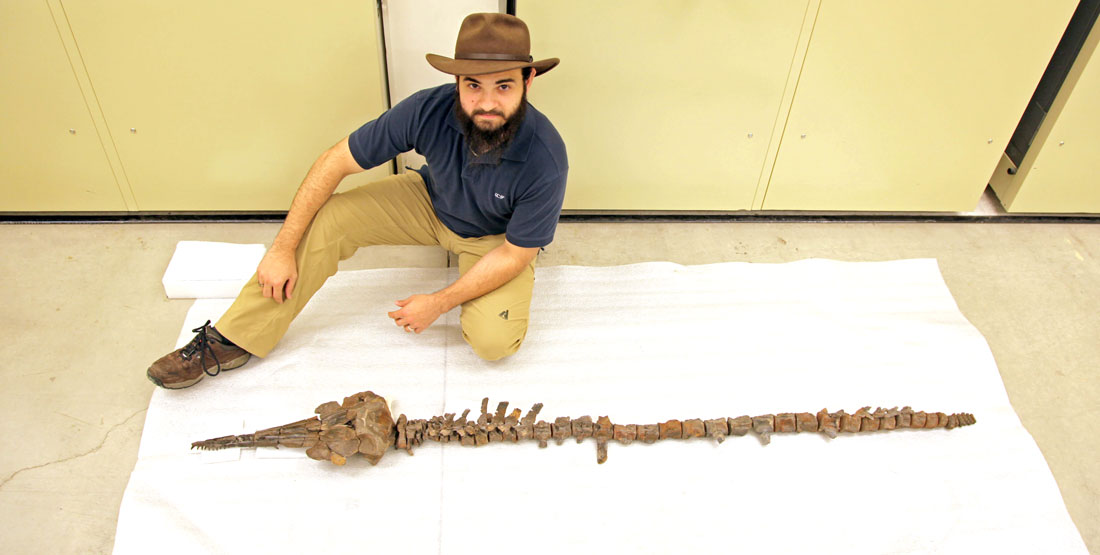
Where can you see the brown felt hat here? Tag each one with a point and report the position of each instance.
(490, 43)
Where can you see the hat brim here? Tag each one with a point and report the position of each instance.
(482, 67)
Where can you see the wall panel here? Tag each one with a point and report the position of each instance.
(43, 165)
(656, 100)
(907, 106)
(1058, 173)
(229, 102)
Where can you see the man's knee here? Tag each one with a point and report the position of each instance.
(328, 216)
(495, 344)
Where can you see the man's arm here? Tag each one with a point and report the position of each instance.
(278, 272)
(496, 268)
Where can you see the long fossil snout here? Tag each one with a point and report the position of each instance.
(361, 424)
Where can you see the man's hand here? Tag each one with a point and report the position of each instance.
(417, 312)
(493, 270)
(277, 273)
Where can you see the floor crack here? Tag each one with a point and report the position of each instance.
(74, 457)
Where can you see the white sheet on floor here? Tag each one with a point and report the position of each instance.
(643, 344)
(210, 270)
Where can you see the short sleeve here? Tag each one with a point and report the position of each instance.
(535, 216)
(380, 140)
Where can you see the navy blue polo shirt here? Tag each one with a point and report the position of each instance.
(518, 192)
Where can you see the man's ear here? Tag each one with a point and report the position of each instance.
(531, 79)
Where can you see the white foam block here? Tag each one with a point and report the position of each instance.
(642, 344)
(209, 270)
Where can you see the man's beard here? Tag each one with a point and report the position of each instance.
(482, 141)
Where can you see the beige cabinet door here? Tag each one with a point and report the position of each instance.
(225, 105)
(663, 105)
(907, 106)
(1058, 173)
(51, 158)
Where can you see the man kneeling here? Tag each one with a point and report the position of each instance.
(491, 193)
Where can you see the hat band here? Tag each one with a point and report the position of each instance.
(501, 57)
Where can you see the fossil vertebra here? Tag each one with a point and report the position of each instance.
(363, 424)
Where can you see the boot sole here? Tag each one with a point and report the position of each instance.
(235, 363)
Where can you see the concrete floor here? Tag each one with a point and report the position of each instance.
(86, 315)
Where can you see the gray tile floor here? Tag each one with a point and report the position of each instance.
(85, 314)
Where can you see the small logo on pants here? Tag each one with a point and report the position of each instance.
(503, 314)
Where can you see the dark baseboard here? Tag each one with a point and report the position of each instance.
(568, 216)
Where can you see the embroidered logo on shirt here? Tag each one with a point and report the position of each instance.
(499, 196)
(503, 314)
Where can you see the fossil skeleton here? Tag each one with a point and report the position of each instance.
(363, 424)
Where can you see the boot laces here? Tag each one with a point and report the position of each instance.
(201, 345)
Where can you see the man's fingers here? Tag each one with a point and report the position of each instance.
(274, 291)
(402, 302)
(290, 286)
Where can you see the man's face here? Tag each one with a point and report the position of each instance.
(491, 108)
(490, 100)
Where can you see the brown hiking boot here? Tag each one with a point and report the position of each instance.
(208, 353)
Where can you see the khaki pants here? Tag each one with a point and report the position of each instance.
(393, 211)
